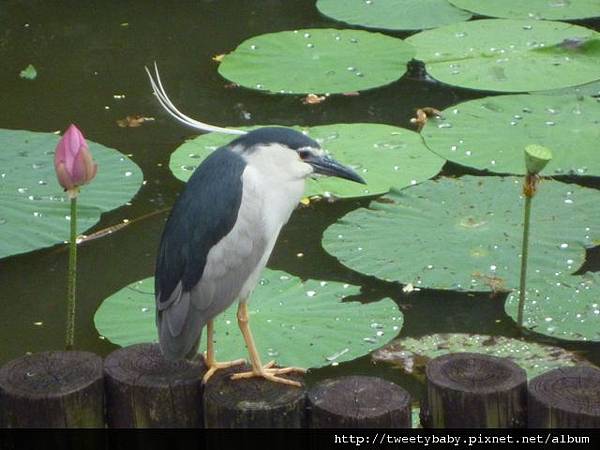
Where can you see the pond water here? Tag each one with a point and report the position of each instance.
(90, 58)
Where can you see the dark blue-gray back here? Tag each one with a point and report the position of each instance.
(203, 214)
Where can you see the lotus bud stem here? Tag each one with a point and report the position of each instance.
(536, 158)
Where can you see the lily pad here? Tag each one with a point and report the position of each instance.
(317, 61)
(510, 55)
(390, 15)
(465, 234)
(561, 306)
(34, 210)
(532, 9)
(412, 354)
(384, 155)
(591, 89)
(491, 133)
(298, 323)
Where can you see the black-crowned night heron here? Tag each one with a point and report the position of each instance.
(222, 230)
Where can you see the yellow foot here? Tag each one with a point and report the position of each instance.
(214, 366)
(268, 372)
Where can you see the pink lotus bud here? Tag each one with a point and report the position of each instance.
(73, 161)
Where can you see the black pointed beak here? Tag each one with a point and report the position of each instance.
(325, 165)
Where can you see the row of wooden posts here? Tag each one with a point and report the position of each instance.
(135, 387)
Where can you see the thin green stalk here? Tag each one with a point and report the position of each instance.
(72, 280)
(524, 256)
(536, 158)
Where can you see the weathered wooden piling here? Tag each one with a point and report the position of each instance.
(143, 390)
(471, 390)
(358, 402)
(568, 397)
(52, 390)
(253, 402)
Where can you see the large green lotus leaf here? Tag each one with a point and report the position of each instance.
(297, 323)
(561, 306)
(592, 89)
(393, 15)
(510, 55)
(34, 210)
(465, 234)
(412, 354)
(532, 9)
(384, 155)
(317, 61)
(491, 133)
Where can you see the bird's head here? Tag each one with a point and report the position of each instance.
(289, 150)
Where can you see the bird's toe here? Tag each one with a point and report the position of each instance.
(214, 366)
(268, 372)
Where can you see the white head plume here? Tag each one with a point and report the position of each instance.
(166, 103)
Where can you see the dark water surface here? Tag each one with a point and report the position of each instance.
(87, 52)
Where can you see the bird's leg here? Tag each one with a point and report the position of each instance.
(209, 356)
(258, 370)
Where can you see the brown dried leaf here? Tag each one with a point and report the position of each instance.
(313, 99)
(133, 121)
(423, 115)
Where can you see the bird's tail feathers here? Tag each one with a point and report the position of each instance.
(179, 333)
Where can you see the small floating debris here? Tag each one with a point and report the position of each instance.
(133, 121)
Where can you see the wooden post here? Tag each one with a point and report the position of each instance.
(143, 390)
(252, 402)
(471, 390)
(358, 402)
(52, 390)
(568, 397)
